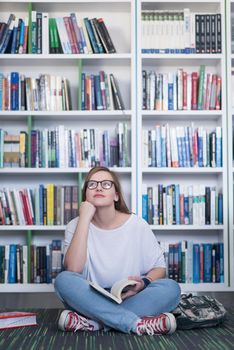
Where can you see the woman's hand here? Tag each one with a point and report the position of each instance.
(132, 290)
(87, 211)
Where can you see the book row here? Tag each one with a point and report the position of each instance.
(45, 93)
(189, 262)
(181, 146)
(177, 204)
(186, 262)
(44, 35)
(52, 93)
(181, 90)
(172, 31)
(100, 92)
(43, 262)
(62, 147)
(42, 205)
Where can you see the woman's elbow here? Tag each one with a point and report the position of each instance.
(72, 268)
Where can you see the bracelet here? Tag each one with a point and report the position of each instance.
(146, 281)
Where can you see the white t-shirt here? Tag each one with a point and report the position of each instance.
(131, 249)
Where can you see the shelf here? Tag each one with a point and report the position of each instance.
(49, 288)
(65, 2)
(179, 56)
(124, 16)
(182, 170)
(26, 288)
(186, 227)
(66, 114)
(182, 113)
(203, 287)
(57, 170)
(157, 61)
(186, 2)
(32, 228)
(34, 57)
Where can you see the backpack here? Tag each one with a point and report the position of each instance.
(198, 312)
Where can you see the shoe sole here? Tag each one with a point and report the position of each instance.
(62, 319)
(172, 322)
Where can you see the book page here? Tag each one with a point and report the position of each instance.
(116, 290)
(105, 292)
(119, 286)
(21, 321)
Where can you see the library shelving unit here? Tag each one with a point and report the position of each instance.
(119, 17)
(147, 119)
(230, 114)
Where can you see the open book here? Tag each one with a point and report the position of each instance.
(117, 289)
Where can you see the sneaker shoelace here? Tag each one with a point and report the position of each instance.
(152, 326)
(78, 322)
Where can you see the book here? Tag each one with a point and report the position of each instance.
(15, 319)
(116, 290)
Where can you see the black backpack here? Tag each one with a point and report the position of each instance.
(198, 312)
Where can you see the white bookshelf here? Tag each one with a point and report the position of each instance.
(148, 119)
(230, 113)
(32, 228)
(27, 288)
(119, 17)
(123, 19)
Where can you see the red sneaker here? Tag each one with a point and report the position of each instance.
(163, 324)
(70, 321)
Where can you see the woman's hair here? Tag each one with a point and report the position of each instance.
(120, 205)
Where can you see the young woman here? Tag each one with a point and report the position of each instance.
(105, 244)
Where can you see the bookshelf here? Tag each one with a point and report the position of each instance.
(119, 17)
(147, 119)
(230, 110)
(123, 19)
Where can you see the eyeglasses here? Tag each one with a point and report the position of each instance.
(106, 184)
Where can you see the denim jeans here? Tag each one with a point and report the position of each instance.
(162, 295)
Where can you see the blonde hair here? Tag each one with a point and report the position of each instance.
(120, 204)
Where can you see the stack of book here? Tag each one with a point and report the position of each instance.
(45, 93)
(61, 147)
(189, 262)
(182, 205)
(54, 35)
(182, 146)
(45, 263)
(181, 90)
(100, 92)
(173, 31)
(45, 205)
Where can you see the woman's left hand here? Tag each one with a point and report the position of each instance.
(132, 290)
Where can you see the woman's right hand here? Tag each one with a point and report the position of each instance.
(87, 211)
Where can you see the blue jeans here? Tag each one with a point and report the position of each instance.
(162, 295)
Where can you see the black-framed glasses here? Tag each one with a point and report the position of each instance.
(106, 184)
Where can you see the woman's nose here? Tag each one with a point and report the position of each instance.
(99, 186)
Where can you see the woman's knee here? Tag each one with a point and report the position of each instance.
(173, 292)
(173, 286)
(168, 285)
(64, 279)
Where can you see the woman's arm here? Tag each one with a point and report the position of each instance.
(156, 273)
(76, 254)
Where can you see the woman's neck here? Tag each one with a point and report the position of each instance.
(104, 217)
(108, 218)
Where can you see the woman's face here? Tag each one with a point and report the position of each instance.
(104, 194)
